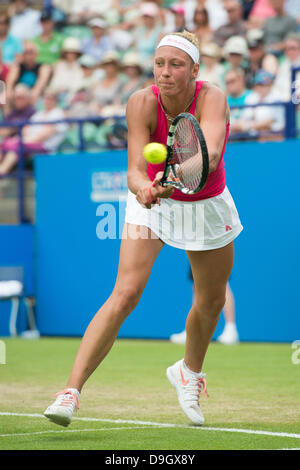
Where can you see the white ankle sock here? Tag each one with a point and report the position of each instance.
(197, 374)
(74, 390)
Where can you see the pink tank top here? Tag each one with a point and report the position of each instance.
(216, 180)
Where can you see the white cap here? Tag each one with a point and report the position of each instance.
(97, 23)
(211, 49)
(132, 59)
(72, 45)
(87, 61)
(236, 45)
(149, 9)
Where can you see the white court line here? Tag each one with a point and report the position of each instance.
(69, 430)
(165, 425)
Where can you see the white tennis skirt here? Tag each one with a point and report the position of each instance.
(194, 226)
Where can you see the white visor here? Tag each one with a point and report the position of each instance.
(181, 43)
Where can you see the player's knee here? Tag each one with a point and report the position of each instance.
(127, 298)
(210, 305)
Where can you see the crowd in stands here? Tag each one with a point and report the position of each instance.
(84, 58)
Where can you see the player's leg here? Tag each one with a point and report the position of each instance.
(230, 334)
(229, 307)
(137, 257)
(135, 264)
(211, 270)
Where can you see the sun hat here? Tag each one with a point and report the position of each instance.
(131, 59)
(179, 9)
(236, 45)
(97, 23)
(87, 61)
(211, 49)
(71, 45)
(109, 57)
(255, 38)
(149, 9)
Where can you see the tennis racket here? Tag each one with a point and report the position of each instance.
(187, 163)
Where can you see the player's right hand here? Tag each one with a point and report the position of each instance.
(153, 192)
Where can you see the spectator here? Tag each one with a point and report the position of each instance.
(81, 11)
(216, 12)
(22, 110)
(237, 93)
(49, 43)
(36, 76)
(264, 118)
(4, 69)
(67, 74)
(210, 68)
(146, 35)
(38, 138)
(131, 66)
(292, 8)
(278, 27)
(173, 18)
(235, 25)
(89, 77)
(247, 6)
(202, 29)
(179, 18)
(236, 53)
(79, 102)
(291, 58)
(25, 22)
(104, 93)
(128, 11)
(116, 129)
(99, 43)
(258, 58)
(10, 45)
(260, 12)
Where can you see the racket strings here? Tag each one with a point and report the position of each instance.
(187, 154)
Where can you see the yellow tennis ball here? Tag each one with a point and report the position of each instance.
(155, 152)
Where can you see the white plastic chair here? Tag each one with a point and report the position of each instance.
(12, 288)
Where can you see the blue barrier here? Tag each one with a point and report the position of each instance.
(17, 249)
(76, 270)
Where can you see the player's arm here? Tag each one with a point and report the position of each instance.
(139, 113)
(138, 123)
(213, 120)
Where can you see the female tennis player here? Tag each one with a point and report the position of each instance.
(149, 114)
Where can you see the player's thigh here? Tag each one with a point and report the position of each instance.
(211, 270)
(137, 256)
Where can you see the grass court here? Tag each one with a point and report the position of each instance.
(128, 403)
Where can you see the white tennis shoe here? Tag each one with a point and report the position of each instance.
(188, 385)
(229, 335)
(178, 338)
(61, 411)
